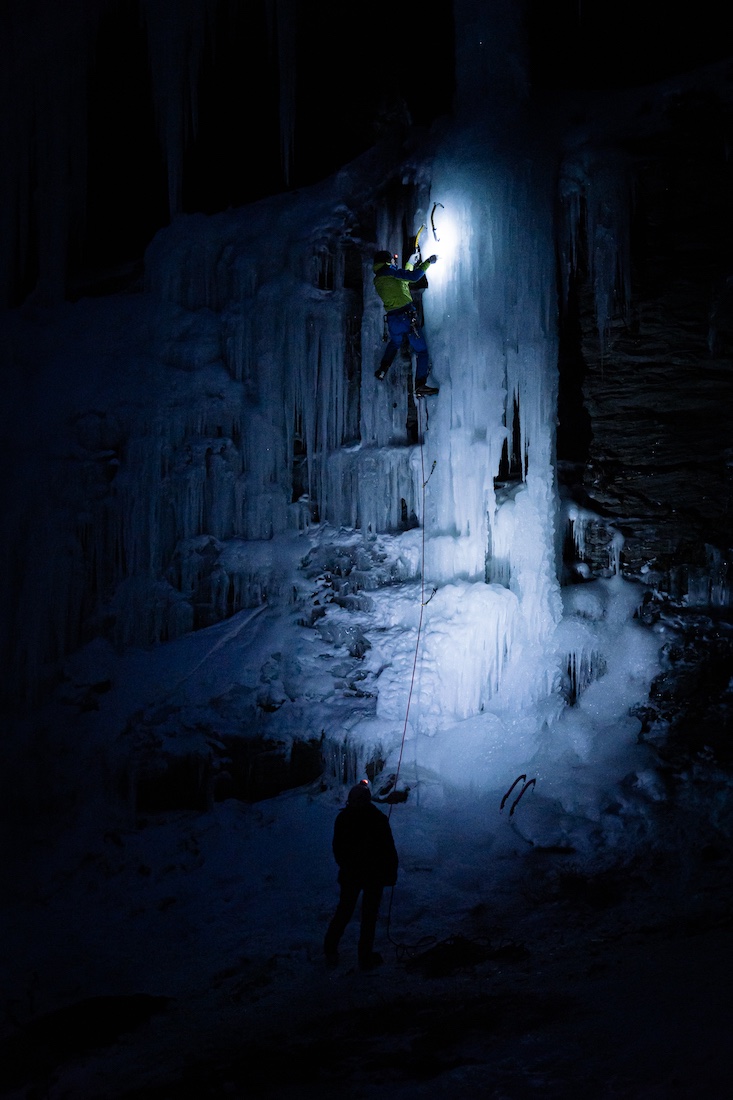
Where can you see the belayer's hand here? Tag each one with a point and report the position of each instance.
(432, 259)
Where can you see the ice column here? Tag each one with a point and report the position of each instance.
(596, 201)
(490, 323)
(490, 319)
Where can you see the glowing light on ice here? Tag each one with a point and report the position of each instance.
(442, 239)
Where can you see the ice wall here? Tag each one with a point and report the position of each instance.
(491, 312)
(320, 440)
(246, 405)
(244, 412)
(480, 480)
(596, 201)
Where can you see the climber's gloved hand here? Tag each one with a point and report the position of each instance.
(414, 259)
(432, 259)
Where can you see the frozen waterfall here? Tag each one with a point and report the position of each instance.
(225, 446)
(319, 440)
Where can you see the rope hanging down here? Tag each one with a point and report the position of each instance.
(402, 948)
(423, 601)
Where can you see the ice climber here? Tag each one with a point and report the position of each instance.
(392, 285)
(367, 861)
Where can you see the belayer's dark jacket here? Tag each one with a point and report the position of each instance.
(364, 847)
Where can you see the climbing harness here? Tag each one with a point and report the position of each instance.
(414, 325)
(515, 803)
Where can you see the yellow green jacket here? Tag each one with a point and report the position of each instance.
(392, 283)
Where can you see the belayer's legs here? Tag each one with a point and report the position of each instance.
(344, 911)
(370, 902)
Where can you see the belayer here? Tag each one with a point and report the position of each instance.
(392, 285)
(367, 860)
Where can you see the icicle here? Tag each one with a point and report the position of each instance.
(581, 669)
(176, 35)
(580, 650)
(347, 760)
(597, 199)
(283, 26)
(597, 544)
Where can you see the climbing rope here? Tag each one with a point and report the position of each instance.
(422, 604)
(405, 949)
(402, 949)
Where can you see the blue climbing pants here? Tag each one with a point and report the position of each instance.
(402, 323)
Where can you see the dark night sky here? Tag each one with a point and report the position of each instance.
(347, 80)
(622, 43)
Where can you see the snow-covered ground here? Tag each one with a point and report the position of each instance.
(180, 953)
(573, 943)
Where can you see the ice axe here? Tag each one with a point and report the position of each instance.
(527, 785)
(419, 233)
(432, 218)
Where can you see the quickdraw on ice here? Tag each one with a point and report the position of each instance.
(427, 601)
(515, 803)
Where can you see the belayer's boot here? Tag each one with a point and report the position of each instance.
(370, 961)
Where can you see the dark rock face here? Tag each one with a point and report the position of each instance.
(644, 437)
(652, 429)
(250, 769)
